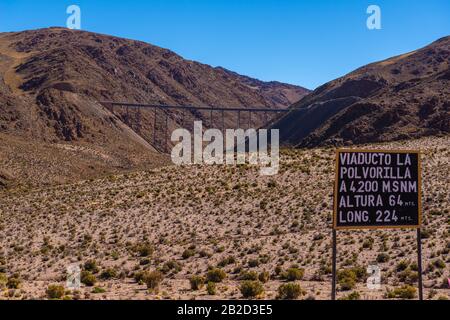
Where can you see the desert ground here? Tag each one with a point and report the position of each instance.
(205, 232)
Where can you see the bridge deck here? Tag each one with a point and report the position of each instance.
(186, 107)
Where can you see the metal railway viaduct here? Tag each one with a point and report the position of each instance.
(124, 110)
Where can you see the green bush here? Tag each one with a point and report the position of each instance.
(197, 282)
(444, 283)
(153, 279)
(293, 274)
(171, 265)
(211, 288)
(347, 284)
(438, 263)
(248, 275)
(215, 275)
(98, 290)
(352, 296)
(55, 291)
(425, 233)
(360, 272)
(278, 270)
(346, 273)
(272, 184)
(87, 278)
(109, 273)
(253, 263)
(368, 243)
(347, 279)
(144, 261)
(188, 253)
(405, 292)
(251, 288)
(402, 265)
(264, 276)
(382, 257)
(13, 282)
(226, 261)
(325, 269)
(289, 291)
(144, 249)
(408, 276)
(91, 265)
(3, 280)
(139, 276)
(204, 254)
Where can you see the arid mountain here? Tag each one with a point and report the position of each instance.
(403, 97)
(52, 80)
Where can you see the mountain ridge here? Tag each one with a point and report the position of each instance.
(53, 80)
(406, 96)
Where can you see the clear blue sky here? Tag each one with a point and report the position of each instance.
(301, 42)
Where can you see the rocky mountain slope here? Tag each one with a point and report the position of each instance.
(51, 82)
(399, 98)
